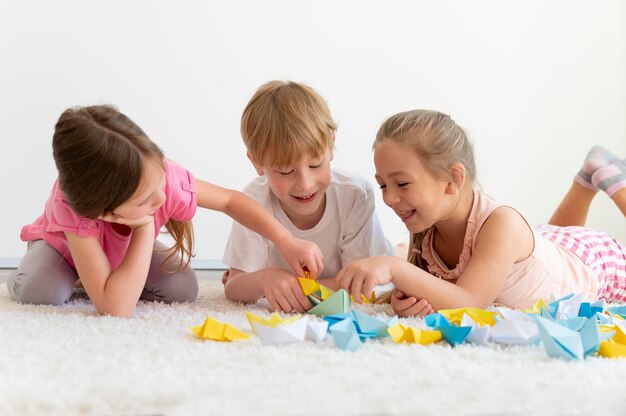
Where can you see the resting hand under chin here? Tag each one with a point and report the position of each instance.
(111, 216)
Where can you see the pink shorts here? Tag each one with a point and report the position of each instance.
(598, 250)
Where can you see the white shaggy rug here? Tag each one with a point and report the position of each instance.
(67, 360)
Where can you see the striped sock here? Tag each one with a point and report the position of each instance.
(596, 158)
(610, 178)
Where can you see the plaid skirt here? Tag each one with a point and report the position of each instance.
(598, 250)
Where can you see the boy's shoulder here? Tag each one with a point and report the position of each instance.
(346, 180)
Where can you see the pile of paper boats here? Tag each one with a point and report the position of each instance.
(567, 327)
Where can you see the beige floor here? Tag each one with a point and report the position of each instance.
(202, 274)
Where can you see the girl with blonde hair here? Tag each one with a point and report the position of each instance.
(467, 249)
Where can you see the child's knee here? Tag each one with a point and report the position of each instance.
(25, 289)
(179, 287)
(187, 292)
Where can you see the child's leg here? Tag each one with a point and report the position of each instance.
(42, 277)
(612, 180)
(181, 286)
(574, 207)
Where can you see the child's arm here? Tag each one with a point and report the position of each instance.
(298, 253)
(504, 239)
(279, 286)
(114, 292)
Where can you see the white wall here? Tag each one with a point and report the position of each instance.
(535, 84)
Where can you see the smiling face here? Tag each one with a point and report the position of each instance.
(418, 197)
(148, 197)
(301, 188)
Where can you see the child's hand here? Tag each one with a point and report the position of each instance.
(360, 277)
(300, 254)
(284, 293)
(110, 216)
(409, 306)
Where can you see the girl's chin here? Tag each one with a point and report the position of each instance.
(413, 229)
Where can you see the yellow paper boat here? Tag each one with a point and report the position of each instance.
(218, 331)
(536, 308)
(402, 333)
(273, 321)
(480, 316)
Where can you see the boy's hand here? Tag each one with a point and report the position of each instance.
(409, 306)
(284, 293)
(300, 254)
(360, 277)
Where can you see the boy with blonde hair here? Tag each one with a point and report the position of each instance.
(290, 135)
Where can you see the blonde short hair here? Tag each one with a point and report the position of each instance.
(285, 121)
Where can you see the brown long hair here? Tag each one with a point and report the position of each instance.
(99, 153)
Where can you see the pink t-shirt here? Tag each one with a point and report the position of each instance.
(549, 269)
(59, 217)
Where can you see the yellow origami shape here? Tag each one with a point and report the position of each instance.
(606, 327)
(372, 298)
(480, 316)
(612, 349)
(218, 331)
(620, 336)
(616, 346)
(536, 308)
(309, 286)
(273, 321)
(401, 333)
(325, 292)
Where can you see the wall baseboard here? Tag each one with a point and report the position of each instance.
(197, 264)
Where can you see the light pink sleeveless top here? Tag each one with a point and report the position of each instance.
(550, 268)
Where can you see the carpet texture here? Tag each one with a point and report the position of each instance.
(68, 360)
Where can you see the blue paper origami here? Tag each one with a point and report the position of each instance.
(618, 310)
(345, 335)
(451, 333)
(372, 327)
(553, 306)
(560, 341)
(575, 324)
(366, 326)
(589, 309)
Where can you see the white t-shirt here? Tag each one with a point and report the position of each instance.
(349, 229)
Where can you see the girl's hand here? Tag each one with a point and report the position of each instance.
(409, 306)
(360, 278)
(111, 216)
(301, 254)
(284, 293)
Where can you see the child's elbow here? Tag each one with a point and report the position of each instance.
(229, 293)
(479, 302)
(232, 293)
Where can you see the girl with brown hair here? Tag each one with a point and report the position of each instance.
(115, 191)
